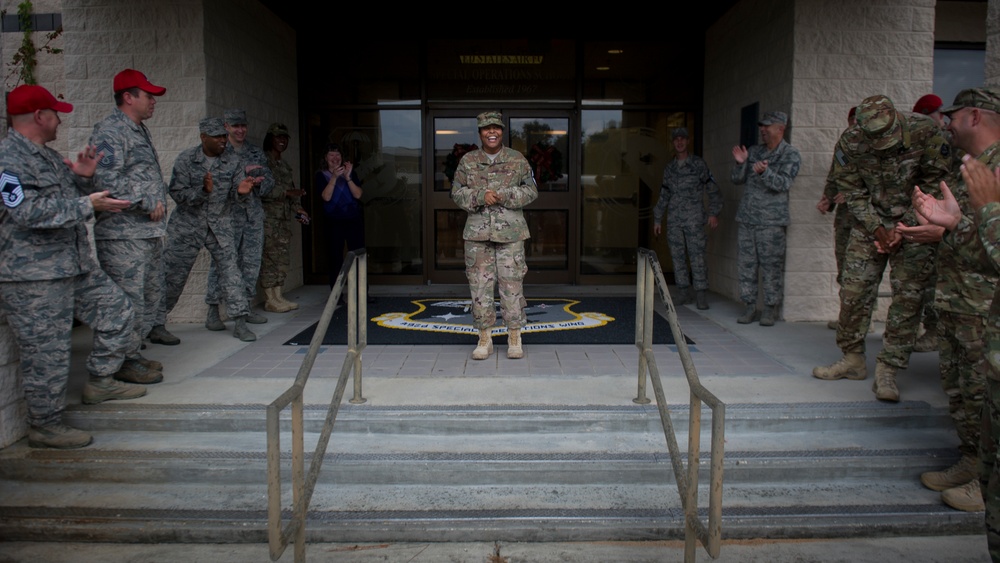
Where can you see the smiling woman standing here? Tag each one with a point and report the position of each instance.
(492, 184)
(344, 220)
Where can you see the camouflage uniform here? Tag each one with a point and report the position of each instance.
(763, 217)
(988, 220)
(130, 243)
(495, 234)
(843, 222)
(685, 185)
(204, 220)
(248, 221)
(48, 274)
(965, 284)
(278, 215)
(878, 186)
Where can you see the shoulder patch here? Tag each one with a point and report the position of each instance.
(840, 156)
(108, 158)
(945, 150)
(10, 189)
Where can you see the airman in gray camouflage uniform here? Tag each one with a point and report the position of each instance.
(280, 206)
(877, 163)
(48, 272)
(686, 182)
(130, 243)
(205, 184)
(492, 184)
(768, 170)
(248, 216)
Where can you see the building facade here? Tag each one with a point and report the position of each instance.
(593, 116)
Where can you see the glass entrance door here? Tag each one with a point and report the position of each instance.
(543, 137)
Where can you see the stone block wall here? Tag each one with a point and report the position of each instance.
(249, 64)
(993, 44)
(748, 58)
(814, 59)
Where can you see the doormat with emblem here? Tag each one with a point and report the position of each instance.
(587, 320)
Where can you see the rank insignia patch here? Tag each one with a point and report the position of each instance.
(11, 190)
(108, 160)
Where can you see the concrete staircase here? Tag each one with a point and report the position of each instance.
(197, 474)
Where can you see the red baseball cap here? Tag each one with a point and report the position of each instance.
(28, 98)
(928, 104)
(130, 78)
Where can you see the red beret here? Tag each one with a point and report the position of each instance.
(928, 104)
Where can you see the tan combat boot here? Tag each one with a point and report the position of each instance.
(485, 346)
(967, 469)
(851, 366)
(273, 302)
(278, 292)
(967, 498)
(514, 350)
(884, 385)
(59, 436)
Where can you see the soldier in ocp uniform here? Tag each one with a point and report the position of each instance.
(248, 217)
(843, 221)
(206, 184)
(48, 272)
(493, 184)
(281, 205)
(877, 163)
(686, 182)
(767, 170)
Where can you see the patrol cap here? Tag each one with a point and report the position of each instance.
(880, 122)
(131, 78)
(983, 98)
(278, 130)
(236, 116)
(212, 126)
(489, 118)
(772, 117)
(928, 104)
(29, 98)
(679, 132)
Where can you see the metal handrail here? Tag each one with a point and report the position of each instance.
(354, 274)
(649, 273)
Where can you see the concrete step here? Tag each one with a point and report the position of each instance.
(160, 474)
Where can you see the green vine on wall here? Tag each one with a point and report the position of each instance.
(25, 59)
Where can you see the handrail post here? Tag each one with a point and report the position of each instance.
(359, 321)
(641, 273)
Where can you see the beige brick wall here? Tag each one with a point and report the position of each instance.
(249, 64)
(749, 57)
(170, 42)
(993, 44)
(814, 59)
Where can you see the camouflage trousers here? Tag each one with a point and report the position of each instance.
(688, 243)
(989, 474)
(490, 264)
(962, 375)
(180, 256)
(761, 250)
(249, 244)
(912, 269)
(40, 313)
(843, 222)
(275, 260)
(136, 265)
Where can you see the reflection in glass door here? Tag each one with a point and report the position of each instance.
(544, 141)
